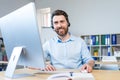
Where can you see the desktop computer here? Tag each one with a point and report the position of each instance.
(21, 37)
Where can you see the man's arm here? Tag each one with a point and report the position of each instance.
(91, 63)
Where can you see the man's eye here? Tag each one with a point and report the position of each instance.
(62, 21)
(55, 22)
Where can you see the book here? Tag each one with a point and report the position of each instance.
(75, 76)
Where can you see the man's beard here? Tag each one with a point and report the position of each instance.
(62, 31)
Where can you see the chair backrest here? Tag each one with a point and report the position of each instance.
(109, 66)
(109, 59)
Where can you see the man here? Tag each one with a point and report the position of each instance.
(66, 50)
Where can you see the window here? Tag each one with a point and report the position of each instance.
(45, 19)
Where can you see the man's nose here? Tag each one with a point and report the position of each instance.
(59, 25)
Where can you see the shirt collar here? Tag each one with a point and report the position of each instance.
(70, 39)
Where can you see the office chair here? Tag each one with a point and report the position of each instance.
(109, 66)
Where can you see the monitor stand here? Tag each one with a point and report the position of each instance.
(10, 70)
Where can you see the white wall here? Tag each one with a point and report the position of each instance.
(7, 6)
(88, 16)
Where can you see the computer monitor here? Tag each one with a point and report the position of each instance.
(22, 39)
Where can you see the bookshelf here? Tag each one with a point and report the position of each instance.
(103, 45)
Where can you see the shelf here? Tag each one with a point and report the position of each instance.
(103, 45)
(3, 62)
(101, 62)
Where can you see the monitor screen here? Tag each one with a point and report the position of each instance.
(20, 29)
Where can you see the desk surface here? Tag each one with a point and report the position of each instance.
(98, 75)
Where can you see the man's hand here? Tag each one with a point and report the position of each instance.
(86, 67)
(47, 68)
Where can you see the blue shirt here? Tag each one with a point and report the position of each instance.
(70, 54)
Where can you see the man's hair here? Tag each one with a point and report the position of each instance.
(59, 12)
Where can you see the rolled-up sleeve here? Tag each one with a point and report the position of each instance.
(86, 55)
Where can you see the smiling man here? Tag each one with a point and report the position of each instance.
(65, 50)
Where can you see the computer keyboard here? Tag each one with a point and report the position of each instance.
(54, 72)
(61, 71)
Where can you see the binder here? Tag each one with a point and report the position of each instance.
(93, 37)
(107, 39)
(114, 39)
(109, 51)
(97, 40)
(103, 39)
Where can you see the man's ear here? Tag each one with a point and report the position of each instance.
(52, 27)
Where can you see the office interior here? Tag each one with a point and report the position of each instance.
(87, 17)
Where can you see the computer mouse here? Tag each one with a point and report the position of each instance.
(84, 71)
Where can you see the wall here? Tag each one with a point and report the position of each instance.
(7, 6)
(88, 16)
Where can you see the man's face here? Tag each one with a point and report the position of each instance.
(60, 25)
